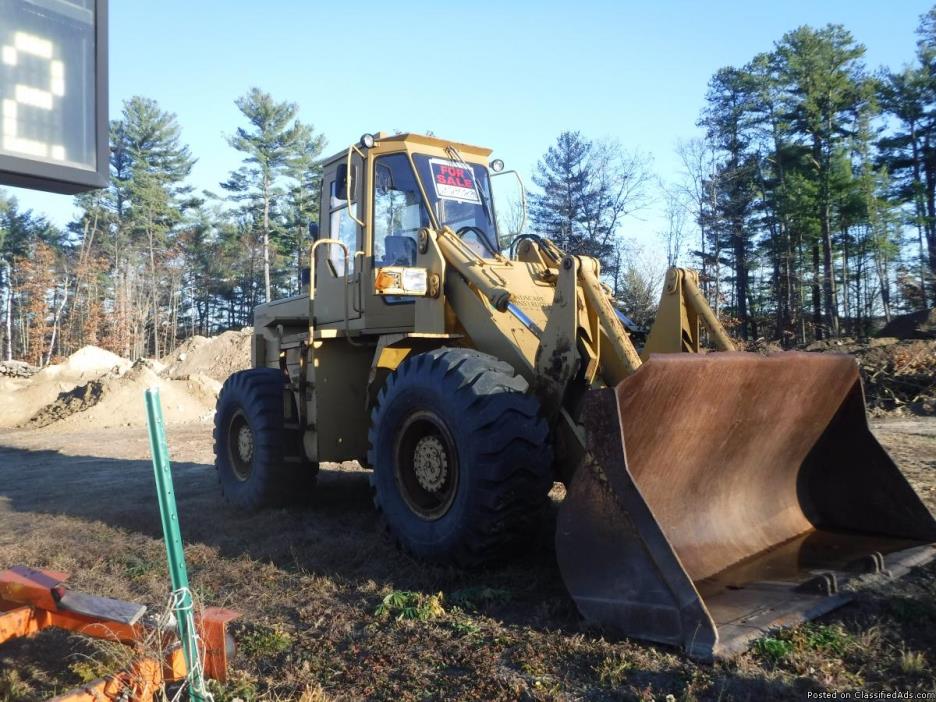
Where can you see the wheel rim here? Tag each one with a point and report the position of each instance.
(426, 465)
(240, 446)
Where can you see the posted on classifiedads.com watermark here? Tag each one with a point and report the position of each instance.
(860, 694)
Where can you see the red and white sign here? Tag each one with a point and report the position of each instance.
(453, 181)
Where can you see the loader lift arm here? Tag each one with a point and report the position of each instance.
(713, 496)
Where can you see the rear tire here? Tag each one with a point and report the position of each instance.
(461, 457)
(260, 462)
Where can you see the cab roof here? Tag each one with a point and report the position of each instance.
(411, 138)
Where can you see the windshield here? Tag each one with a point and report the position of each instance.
(460, 196)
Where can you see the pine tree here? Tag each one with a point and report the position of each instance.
(727, 121)
(823, 73)
(587, 189)
(304, 172)
(273, 138)
(151, 165)
(563, 176)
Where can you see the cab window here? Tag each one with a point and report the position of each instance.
(341, 224)
(399, 212)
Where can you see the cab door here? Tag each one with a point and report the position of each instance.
(398, 212)
(338, 274)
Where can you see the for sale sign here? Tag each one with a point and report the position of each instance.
(453, 181)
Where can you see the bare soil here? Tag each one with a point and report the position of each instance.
(310, 583)
(216, 356)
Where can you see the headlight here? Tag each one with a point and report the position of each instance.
(399, 280)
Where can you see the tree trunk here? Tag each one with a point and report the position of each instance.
(266, 236)
(799, 268)
(920, 210)
(741, 279)
(8, 312)
(55, 322)
(818, 330)
(846, 300)
(929, 166)
(825, 226)
(155, 294)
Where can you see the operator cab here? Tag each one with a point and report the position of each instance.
(376, 197)
(415, 181)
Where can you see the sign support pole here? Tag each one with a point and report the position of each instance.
(175, 553)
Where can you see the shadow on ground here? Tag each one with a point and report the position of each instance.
(336, 535)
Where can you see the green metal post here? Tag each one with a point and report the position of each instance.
(175, 552)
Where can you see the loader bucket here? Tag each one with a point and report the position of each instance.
(723, 495)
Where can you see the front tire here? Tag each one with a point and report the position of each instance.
(259, 458)
(461, 457)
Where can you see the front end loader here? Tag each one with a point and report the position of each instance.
(711, 496)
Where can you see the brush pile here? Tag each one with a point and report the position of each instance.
(899, 375)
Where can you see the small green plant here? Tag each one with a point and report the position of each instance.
(912, 662)
(263, 642)
(244, 690)
(136, 567)
(404, 605)
(480, 596)
(826, 638)
(463, 626)
(613, 669)
(89, 669)
(773, 649)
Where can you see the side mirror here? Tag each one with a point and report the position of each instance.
(510, 206)
(313, 231)
(341, 186)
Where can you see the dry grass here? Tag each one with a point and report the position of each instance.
(332, 612)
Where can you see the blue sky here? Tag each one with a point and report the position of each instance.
(509, 75)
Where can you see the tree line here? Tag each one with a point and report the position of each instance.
(148, 261)
(812, 189)
(808, 204)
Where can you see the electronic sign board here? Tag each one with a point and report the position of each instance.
(53, 94)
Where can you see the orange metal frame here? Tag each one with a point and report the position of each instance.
(29, 603)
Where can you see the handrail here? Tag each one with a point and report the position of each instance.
(348, 179)
(347, 257)
(359, 270)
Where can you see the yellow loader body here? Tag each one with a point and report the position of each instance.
(710, 496)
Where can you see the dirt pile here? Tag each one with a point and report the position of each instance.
(216, 357)
(22, 397)
(94, 388)
(916, 325)
(116, 399)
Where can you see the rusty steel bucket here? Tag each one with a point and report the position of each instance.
(723, 495)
